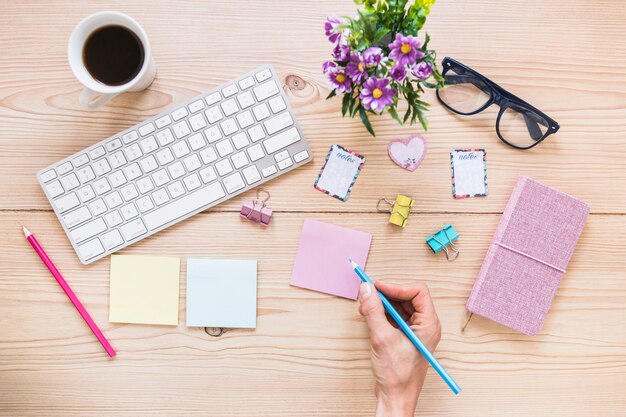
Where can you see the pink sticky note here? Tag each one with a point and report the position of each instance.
(322, 258)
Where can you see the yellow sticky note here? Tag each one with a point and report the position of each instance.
(144, 289)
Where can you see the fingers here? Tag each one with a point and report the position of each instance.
(371, 307)
(417, 294)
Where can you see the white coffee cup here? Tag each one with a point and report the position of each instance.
(93, 87)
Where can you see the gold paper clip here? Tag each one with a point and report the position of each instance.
(399, 210)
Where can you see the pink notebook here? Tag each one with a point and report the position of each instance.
(528, 256)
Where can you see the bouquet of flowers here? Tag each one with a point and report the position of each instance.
(378, 58)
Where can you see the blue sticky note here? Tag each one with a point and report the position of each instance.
(221, 293)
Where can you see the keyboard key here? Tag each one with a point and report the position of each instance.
(270, 170)
(133, 230)
(224, 148)
(263, 75)
(111, 239)
(48, 175)
(88, 230)
(196, 141)
(256, 133)
(65, 168)
(165, 156)
(102, 167)
(240, 140)
(176, 170)
(246, 83)
(285, 163)
(145, 204)
(300, 156)
(76, 217)
(240, 159)
(86, 193)
(277, 104)
(281, 140)
(281, 155)
(181, 129)
(55, 189)
(196, 106)
(133, 152)
(96, 153)
(160, 197)
(251, 174)
(213, 114)
(160, 177)
(197, 122)
(80, 160)
(117, 178)
(180, 149)
(213, 134)
(179, 113)
(192, 162)
(97, 207)
(245, 119)
(229, 107)
(161, 122)
(144, 185)
(129, 192)
(229, 90)
(90, 249)
(245, 100)
(70, 182)
(148, 164)
(261, 112)
(185, 205)
(208, 174)
(265, 90)
(146, 129)
(113, 218)
(129, 137)
(165, 137)
(149, 144)
(117, 159)
(85, 174)
(132, 171)
(113, 144)
(255, 152)
(234, 182)
(223, 167)
(192, 182)
(129, 211)
(113, 200)
(213, 98)
(67, 202)
(101, 186)
(176, 189)
(208, 155)
(278, 123)
(228, 126)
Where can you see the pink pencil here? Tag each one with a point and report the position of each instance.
(79, 306)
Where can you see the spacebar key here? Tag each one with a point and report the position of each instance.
(183, 206)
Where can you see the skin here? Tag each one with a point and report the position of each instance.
(398, 367)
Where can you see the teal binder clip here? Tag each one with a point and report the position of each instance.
(443, 240)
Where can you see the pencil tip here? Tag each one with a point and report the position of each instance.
(26, 231)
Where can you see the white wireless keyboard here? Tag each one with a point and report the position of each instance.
(176, 164)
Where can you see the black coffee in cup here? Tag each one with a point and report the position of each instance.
(113, 55)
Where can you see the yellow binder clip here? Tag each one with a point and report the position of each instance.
(399, 210)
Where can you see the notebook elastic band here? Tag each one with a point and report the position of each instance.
(529, 256)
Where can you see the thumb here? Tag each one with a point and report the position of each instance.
(371, 307)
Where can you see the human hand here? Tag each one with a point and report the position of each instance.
(398, 366)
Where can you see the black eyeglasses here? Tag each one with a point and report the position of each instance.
(467, 92)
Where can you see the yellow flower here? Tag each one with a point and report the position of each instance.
(425, 4)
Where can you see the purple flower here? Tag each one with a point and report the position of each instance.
(422, 70)
(341, 52)
(339, 80)
(330, 28)
(405, 49)
(372, 56)
(398, 72)
(356, 68)
(326, 65)
(376, 95)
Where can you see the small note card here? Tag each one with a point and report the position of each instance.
(339, 172)
(469, 173)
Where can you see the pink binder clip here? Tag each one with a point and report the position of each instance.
(256, 211)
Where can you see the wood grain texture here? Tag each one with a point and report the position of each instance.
(310, 353)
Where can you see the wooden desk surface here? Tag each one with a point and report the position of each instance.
(310, 353)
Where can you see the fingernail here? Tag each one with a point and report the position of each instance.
(365, 290)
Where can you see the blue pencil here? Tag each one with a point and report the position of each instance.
(407, 331)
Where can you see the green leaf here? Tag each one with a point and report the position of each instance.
(407, 114)
(366, 120)
(352, 102)
(332, 94)
(423, 121)
(344, 104)
(394, 115)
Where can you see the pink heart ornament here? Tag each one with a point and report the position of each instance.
(407, 153)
